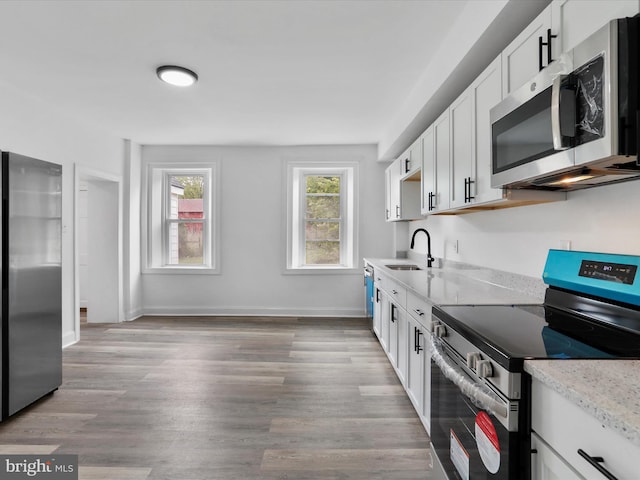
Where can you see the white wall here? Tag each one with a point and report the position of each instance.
(253, 238)
(601, 219)
(31, 127)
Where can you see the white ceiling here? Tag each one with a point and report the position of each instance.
(271, 72)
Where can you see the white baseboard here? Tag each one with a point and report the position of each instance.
(261, 312)
(68, 339)
(133, 314)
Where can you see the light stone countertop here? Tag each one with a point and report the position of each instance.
(461, 284)
(608, 390)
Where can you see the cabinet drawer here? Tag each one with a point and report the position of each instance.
(567, 428)
(397, 293)
(419, 309)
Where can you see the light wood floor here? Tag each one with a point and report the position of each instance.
(227, 398)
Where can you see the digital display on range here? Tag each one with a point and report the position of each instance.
(610, 272)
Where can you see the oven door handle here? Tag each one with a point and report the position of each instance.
(480, 396)
(563, 114)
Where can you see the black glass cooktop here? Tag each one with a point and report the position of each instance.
(509, 334)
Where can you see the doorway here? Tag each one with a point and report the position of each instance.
(98, 247)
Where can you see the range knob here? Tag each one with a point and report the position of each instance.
(484, 369)
(472, 360)
(440, 331)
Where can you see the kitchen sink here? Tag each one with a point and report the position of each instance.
(403, 266)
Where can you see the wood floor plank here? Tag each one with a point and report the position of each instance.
(225, 398)
(346, 459)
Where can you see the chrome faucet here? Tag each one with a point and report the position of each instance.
(413, 241)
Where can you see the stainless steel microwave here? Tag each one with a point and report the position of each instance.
(575, 125)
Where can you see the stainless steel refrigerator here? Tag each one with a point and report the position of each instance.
(31, 280)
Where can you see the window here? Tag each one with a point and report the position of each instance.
(321, 210)
(182, 231)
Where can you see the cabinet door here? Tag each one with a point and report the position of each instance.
(461, 132)
(387, 194)
(428, 171)
(575, 20)
(392, 177)
(521, 58)
(413, 161)
(394, 313)
(403, 343)
(487, 92)
(404, 162)
(442, 150)
(385, 317)
(377, 312)
(546, 465)
(426, 379)
(416, 365)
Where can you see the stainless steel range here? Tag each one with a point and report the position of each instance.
(480, 394)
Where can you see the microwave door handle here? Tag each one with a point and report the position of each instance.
(478, 395)
(563, 114)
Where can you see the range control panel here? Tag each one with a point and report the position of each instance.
(605, 275)
(610, 272)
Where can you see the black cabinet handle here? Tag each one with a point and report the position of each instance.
(595, 463)
(393, 313)
(407, 165)
(540, 66)
(547, 44)
(431, 201)
(467, 189)
(419, 347)
(549, 37)
(377, 296)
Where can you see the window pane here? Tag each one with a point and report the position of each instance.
(322, 231)
(322, 253)
(187, 193)
(323, 207)
(317, 184)
(185, 243)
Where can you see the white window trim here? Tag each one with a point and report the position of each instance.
(154, 211)
(295, 206)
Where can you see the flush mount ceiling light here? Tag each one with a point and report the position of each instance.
(178, 76)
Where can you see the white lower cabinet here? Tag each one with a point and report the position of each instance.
(403, 320)
(566, 429)
(402, 360)
(393, 334)
(418, 385)
(547, 465)
(385, 321)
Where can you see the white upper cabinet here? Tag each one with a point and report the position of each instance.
(528, 53)
(392, 185)
(412, 159)
(461, 133)
(435, 166)
(402, 194)
(487, 93)
(442, 138)
(428, 171)
(575, 20)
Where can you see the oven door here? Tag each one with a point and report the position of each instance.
(469, 440)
